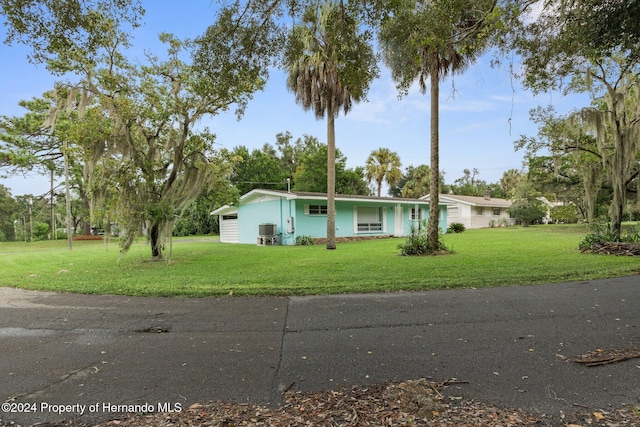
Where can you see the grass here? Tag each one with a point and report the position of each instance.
(486, 257)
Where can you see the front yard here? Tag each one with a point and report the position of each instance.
(485, 257)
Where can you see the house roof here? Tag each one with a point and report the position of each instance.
(472, 200)
(303, 195)
(289, 195)
(225, 210)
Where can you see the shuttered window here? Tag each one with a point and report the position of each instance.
(369, 218)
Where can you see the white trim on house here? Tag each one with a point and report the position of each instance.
(259, 195)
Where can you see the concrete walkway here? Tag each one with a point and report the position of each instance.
(86, 356)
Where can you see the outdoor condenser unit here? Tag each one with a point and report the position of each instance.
(267, 230)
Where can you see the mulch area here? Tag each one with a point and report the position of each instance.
(410, 403)
(615, 248)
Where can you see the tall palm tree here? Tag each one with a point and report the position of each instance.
(330, 64)
(509, 181)
(433, 38)
(383, 165)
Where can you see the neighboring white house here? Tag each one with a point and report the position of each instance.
(475, 212)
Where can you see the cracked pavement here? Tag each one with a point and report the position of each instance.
(511, 345)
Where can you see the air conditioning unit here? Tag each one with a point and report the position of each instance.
(267, 230)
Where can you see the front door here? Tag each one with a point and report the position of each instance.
(398, 227)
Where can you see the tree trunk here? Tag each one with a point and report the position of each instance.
(86, 222)
(331, 180)
(434, 186)
(620, 163)
(156, 244)
(67, 187)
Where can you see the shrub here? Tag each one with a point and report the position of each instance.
(304, 241)
(565, 214)
(456, 227)
(504, 222)
(602, 233)
(40, 230)
(528, 211)
(418, 244)
(605, 241)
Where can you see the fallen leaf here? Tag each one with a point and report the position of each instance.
(598, 415)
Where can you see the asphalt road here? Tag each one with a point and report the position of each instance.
(89, 357)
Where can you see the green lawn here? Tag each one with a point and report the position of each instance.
(487, 257)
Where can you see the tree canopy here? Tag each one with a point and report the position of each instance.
(330, 64)
(591, 47)
(62, 34)
(433, 40)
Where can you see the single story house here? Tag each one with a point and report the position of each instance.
(474, 211)
(279, 217)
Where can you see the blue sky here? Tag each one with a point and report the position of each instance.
(482, 112)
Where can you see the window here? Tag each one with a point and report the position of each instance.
(368, 219)
(315, 209)
(496, 211)
(416, 214)
(479, 211)
(228, 217)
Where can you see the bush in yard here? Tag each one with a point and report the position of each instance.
(504, 222)
(528, 211)
(418, 244)
(602, 234)
(304, 241)
(566, 214)
(456, 227)
(40, 230)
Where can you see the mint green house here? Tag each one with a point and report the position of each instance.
(268, 217)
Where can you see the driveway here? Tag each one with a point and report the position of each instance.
(90, 357)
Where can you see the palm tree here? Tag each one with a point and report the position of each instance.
(434, 39)
(330, 65)
(510, 180)
(383, 165)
